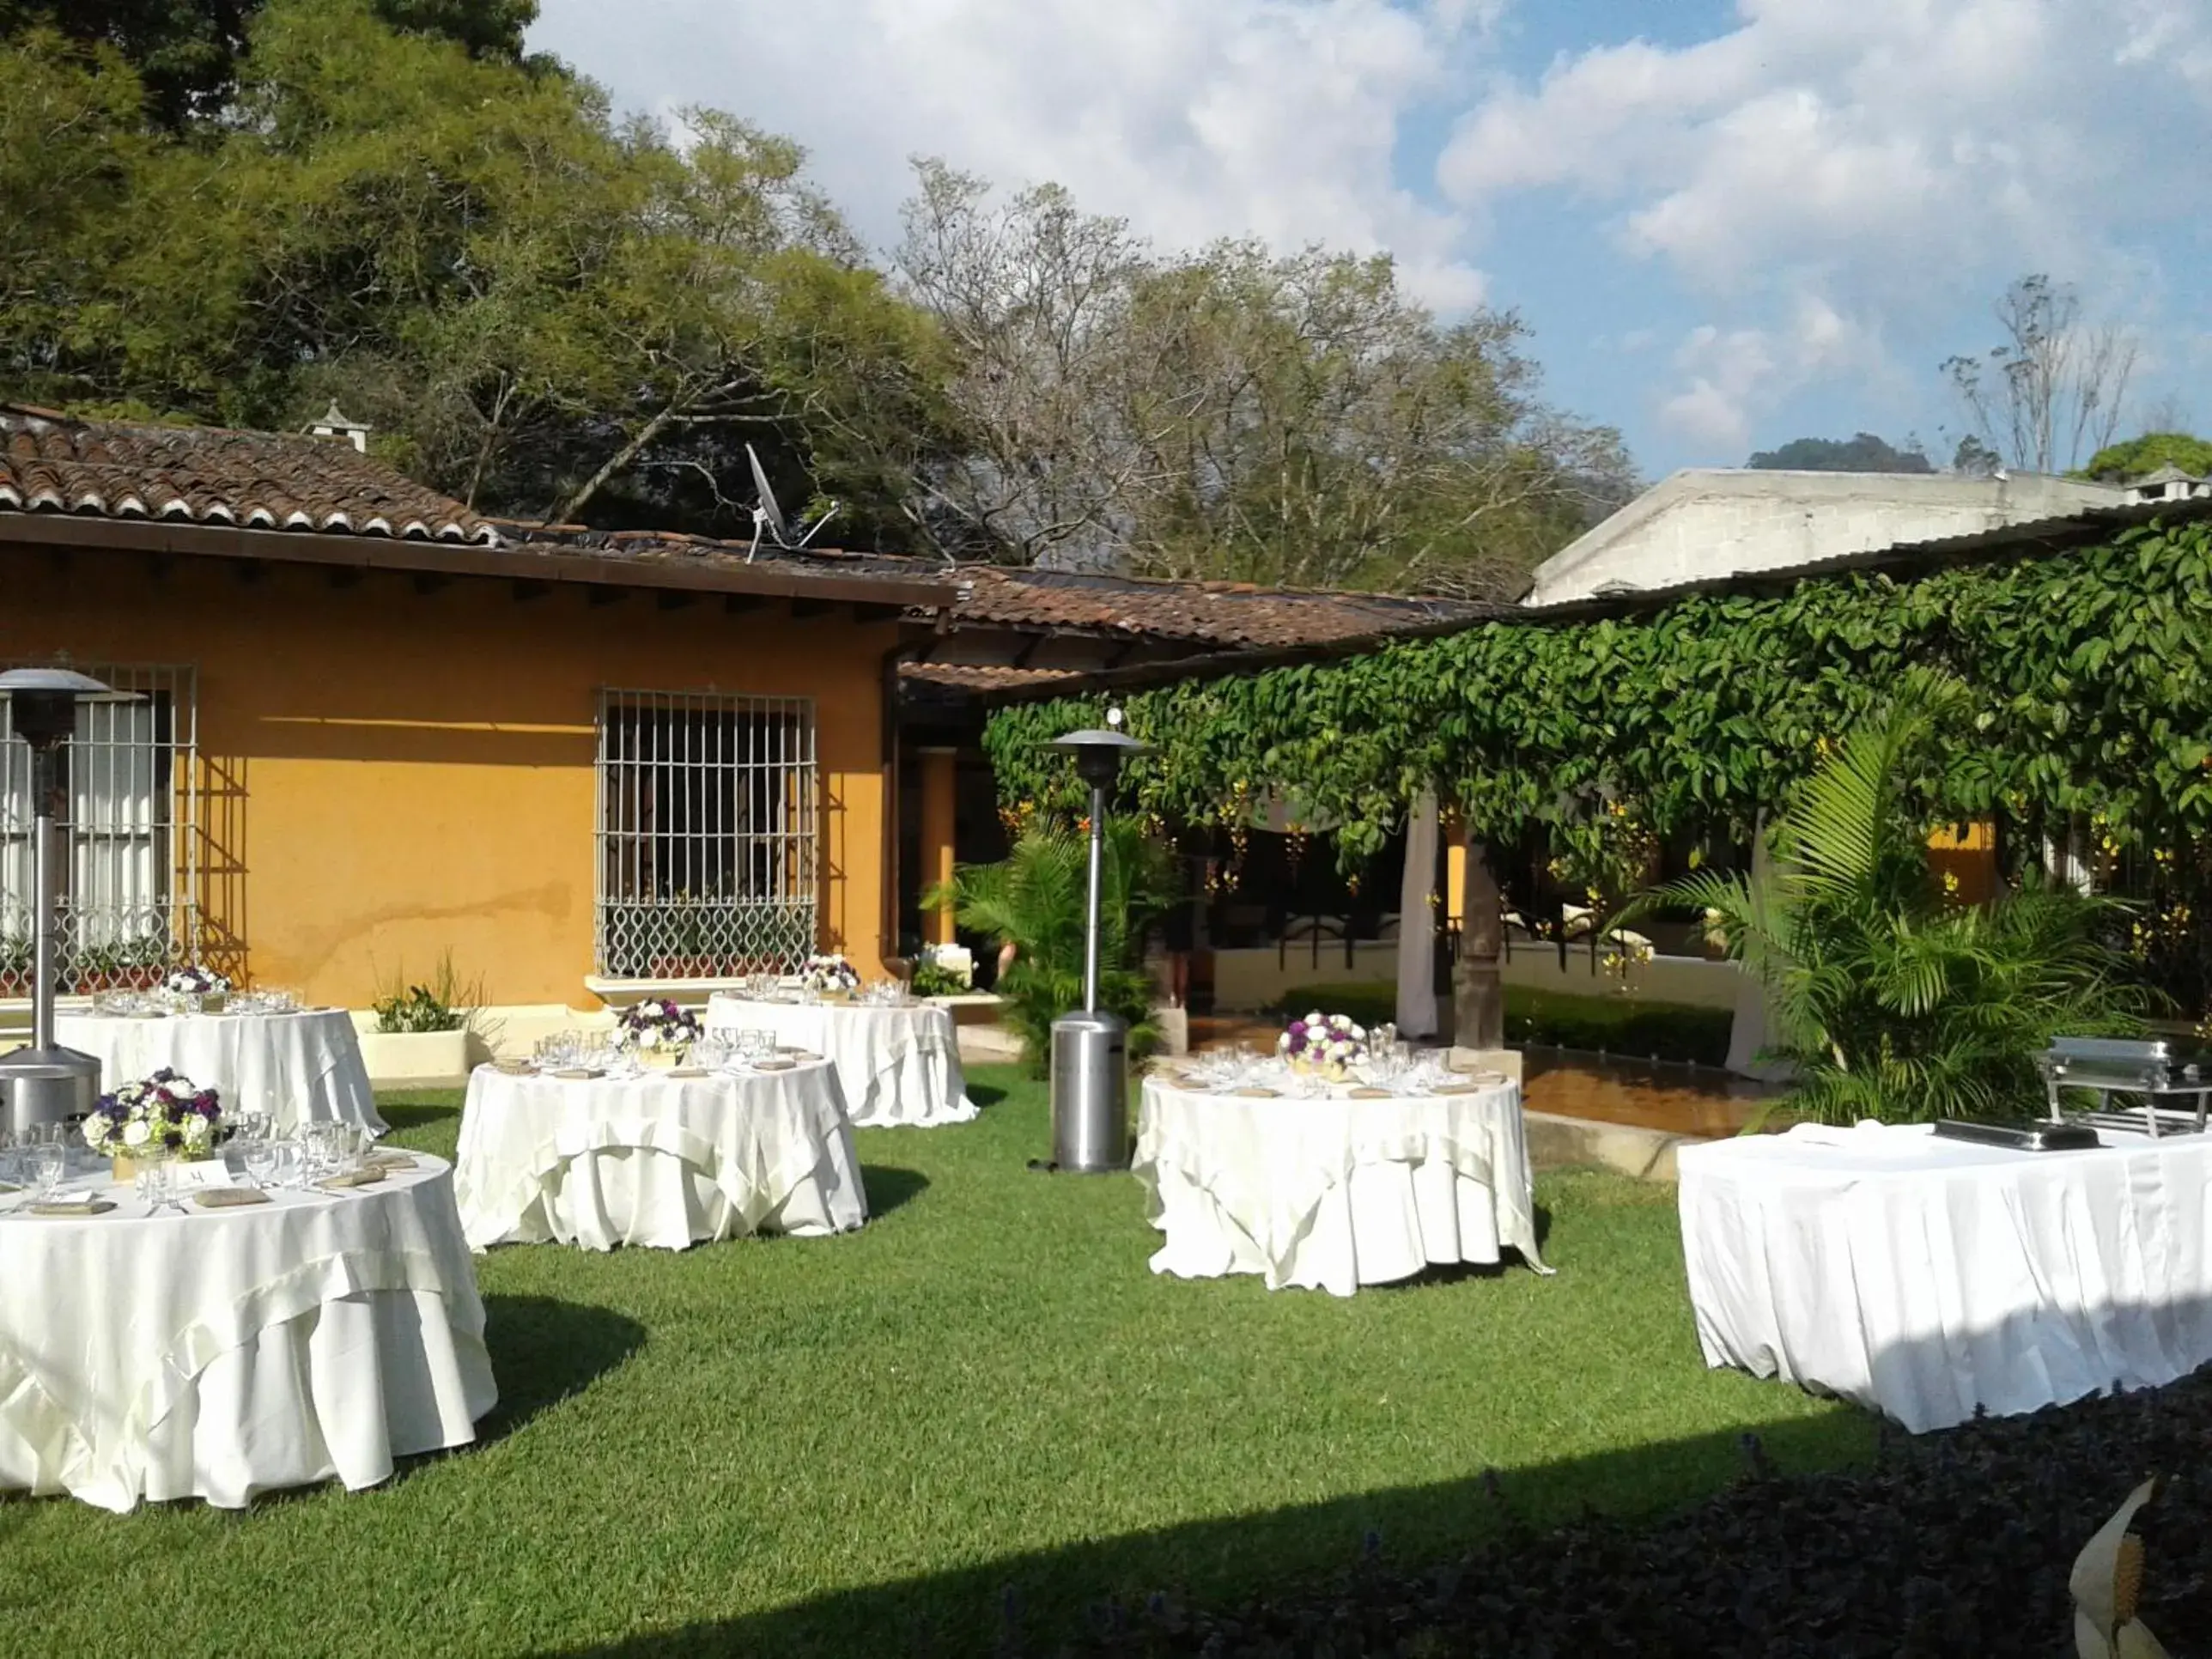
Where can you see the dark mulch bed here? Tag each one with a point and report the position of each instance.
(1955, 1545)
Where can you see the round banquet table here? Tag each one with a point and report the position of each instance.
(895, 1066)
(1332, 1193)
(222, 1353)
(655, 1159)
(300, 1066)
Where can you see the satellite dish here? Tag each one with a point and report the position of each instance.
(768, 518)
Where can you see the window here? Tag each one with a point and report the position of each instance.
(709, 852)
(127, 890)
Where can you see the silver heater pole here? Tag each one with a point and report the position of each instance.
(45, 878)
(1091, 912)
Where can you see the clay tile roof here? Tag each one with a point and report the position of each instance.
(1219, 616)
(953, 680)
(681, 547)
(53, 463)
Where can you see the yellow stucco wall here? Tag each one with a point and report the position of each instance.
(390, 773)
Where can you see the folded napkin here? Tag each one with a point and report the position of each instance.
(367, 1175)
(1371, 1094)
(1257, 1094)
(687, 1071)
(391, 1158)
(229, 1198)
(72, 1203)
(579, 1074)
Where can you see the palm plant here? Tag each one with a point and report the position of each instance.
(1034, 900)
(1892, 1001)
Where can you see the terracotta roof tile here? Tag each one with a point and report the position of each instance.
(206, 475)
(1220, 615)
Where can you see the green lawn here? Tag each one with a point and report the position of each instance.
(981, 1402)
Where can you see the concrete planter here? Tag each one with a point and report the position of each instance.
(415, 1057)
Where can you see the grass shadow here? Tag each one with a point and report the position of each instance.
(986, 1094)
(400, 1114)
(544, 1350)
(889, 1186)
(1033, 1603)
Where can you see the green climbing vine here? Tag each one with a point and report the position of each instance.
(2091, 701)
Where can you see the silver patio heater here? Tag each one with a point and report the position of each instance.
(1090, 1049)
(46, 1083)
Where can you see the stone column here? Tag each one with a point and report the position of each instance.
(937, 819)
(1478, 989)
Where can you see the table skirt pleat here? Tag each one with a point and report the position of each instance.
(337, 1392)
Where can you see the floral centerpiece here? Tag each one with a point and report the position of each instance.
(1328, 1044)
(658, 1031)
(830, 975)
(164, 1115)
(197, 986)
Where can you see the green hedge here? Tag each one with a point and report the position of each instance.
(1555, 1019)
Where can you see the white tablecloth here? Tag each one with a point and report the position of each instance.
(295, 1066)
(895, 1066)
(1334, 1192)
(221, 1353)
(655, 1160)
(1924, 1277)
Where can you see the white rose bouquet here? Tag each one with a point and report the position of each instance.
(657, 1025)
(164, 1115)
(1323, 1043)
(830, 973)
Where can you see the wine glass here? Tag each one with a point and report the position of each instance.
(47, 1163)
(264, 1161)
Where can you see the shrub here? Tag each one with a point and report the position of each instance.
(443, 1004)
(1034, 899)
(1892, 1000)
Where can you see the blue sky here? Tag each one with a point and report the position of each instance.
(1730, 222)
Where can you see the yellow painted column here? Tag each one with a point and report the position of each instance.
(937, 819)
(1964, 856)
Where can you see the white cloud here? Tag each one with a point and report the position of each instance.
(1828, 161)
(1274, 119)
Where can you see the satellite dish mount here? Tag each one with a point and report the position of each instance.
(769, 520)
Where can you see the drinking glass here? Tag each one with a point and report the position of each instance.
(46, 1165)
(711, 1052)
(264, 1161)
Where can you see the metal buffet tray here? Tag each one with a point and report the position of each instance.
(2173, 1088)
(2023, 1137)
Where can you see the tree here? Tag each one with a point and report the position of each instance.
(2055, 385)
(188, 52)
(1863, 453)
(1230, 413)
(2139, 458)
(536, 308)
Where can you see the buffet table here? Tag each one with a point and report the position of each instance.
(1927, 1278)
(897, 1066)
(297, 1067)
(655, 1159)
(1333, 1191)
(218, 1353)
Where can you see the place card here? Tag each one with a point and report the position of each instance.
(229, 1198)
(201, 1175)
